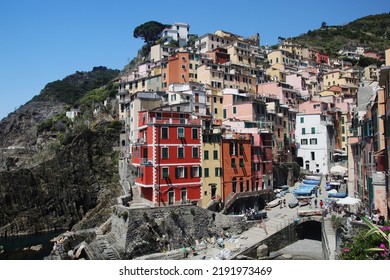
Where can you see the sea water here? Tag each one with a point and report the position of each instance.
(15, 246)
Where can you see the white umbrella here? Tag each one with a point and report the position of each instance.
(332, 191)
(348, 201)
(338, 169)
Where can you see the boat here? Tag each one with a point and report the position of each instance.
(307, 186)
(304, 202)
(311, 182)
(293, 203)
(313, 177)
(257, 216)
(332, 185)
(273, 203)
(302, 191)
(283, 188)
(337, 195)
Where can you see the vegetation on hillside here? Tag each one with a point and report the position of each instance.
(74, 87)
(371, 32)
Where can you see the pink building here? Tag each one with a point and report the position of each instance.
(282, 91)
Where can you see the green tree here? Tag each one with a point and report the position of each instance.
(149, 31)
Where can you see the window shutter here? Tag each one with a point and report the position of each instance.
(177, 172)
(185, 172)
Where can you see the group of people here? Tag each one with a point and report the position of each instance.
(376, 218)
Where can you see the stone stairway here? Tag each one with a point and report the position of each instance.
(138, 201)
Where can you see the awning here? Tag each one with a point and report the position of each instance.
(348, 201)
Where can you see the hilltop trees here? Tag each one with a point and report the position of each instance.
(149, 31)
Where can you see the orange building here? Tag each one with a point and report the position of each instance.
(179, 68)
(236, 163)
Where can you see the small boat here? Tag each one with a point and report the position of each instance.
(332, 185)
(337, 195)
(311, 182)
(303, 192)
(293, 203)
(257, 216)
(313, 177)
(283, 188)
(304, 202)
(273, 203)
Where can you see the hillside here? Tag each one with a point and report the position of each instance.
(372, 32)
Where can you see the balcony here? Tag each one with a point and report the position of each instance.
(139, 141)
(145, 161)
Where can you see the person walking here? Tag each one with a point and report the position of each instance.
(321, 203)
(315, 203)
(262, 225)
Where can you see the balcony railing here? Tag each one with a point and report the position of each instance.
(145, 161)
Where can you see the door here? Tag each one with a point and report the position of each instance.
(171, 197)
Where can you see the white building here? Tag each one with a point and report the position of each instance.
(314, 134)
(178, 32)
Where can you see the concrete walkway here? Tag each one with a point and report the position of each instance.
(278, 218)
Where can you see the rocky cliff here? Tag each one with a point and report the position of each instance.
(76, 184)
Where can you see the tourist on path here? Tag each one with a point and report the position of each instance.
(315, 203)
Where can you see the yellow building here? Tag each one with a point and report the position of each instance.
(211, 164)
(228, 75)
(276, 72)
(290, 47)
(347, 80)
(214, 103)
(240, 53)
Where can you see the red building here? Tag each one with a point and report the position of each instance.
(236, 163)
(167, 158)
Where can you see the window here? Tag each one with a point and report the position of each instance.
(233, 162)
(241, 149)
(165, 153)
(180, 132)
(195, 133)
(195, 172)
(232, 148)
(224, 114)
(165, 172)
(217, 172)
(181, 172)
(313, 141)
(234, 185)
(206, 154)
(158, 116)
(313, 156)
(173, 97)
(195, 152)
(303, 141)
(313, 130)
(180, 152)
(164, 133)
(183, 66)
(215, 154)
(234, 110)
(303, 131)
(241, 162)
(215, 99)
(206, 172)
(183, 195)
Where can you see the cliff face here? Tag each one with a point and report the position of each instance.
(75, 185)
(20, 127)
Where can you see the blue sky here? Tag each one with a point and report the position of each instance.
(43, 41)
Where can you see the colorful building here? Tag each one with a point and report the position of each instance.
(167, 157)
